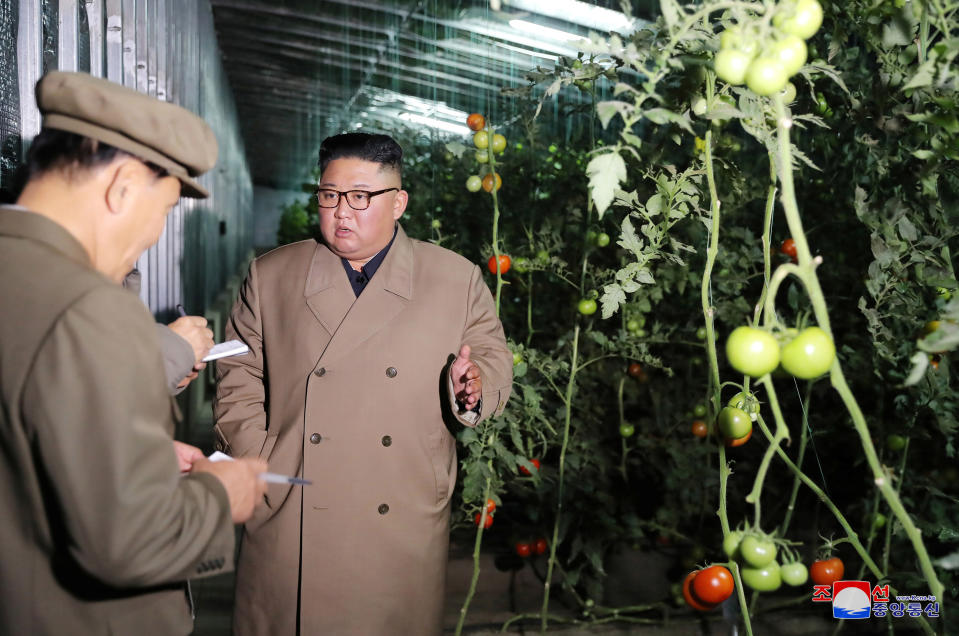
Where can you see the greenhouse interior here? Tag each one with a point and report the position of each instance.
(666, 304)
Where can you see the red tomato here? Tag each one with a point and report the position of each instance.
(525, 470)
(476, 122)
(490, 506)
(827, 571)
(524, 549)
(635, 370)
(504, 263)
(479, 517)
(713, 585)
(540, 546)
(692, 601)
(488, 182)
(700, 429)
(789, 249)
(732, 443)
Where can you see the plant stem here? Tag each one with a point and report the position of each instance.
(492, 167)
(838, 380)
(476, 553)
(568, 401)
(803, 441)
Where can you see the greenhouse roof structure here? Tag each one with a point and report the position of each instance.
(301, 70)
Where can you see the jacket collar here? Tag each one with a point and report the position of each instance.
(19, 222)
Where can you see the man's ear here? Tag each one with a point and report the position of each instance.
(122, 179)
(399, 204)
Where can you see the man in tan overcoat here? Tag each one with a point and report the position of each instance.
(103, 516)
(364, 347)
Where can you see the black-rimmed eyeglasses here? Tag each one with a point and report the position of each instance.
(357, 199)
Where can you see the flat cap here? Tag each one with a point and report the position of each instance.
(158, 132)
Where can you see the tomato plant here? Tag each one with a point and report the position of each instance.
(767, 578)
(488, 181)
(503, 262)
(734, 423)
(827, 571)
(752, 351)
(587, 306)
(691, 600)
(476, 122)
(713, 585)
(757, 551)
(700, 428)
(794, 573)
(810, 354)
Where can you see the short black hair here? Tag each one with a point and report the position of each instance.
(381, 149)
(53, 150)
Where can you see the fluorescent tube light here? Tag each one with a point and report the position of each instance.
(577, 12)
(439, 124)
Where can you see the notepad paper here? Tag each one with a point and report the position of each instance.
(225, 349)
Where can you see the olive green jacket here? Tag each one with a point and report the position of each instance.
(99, 529)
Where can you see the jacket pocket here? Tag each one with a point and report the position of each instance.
(443, 459)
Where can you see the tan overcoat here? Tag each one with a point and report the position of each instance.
(98, 530)
(350, 393)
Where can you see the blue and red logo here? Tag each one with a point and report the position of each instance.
(855, 599)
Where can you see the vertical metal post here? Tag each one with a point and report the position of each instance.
(114, 52)
(68, 54)
(30, 63)
(129, 34)
(94, 9)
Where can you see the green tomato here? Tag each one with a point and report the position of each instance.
(810, 354)
(791, 52)
(482, 156)
(552, 148)
(699, 410)
(587, 306)
(895, 443)
(878, 520)
(764, 579)
(766, 75)
(542, 256)
(517, 358)
(752, 351)
(757, 551)
(801, 18)
(627, 430)
(733, 39)
(699, 106)
(481, 140)
(731, 65)
(734, 423)
(521, 264)
(436, 224)
(701, 333)
(788, 94)
(602, 239)
(474, 183)
(633, 325)
(747, 402)
(731, 543)
(794, 573)
(498, 144)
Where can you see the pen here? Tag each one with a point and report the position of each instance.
(274, 478)
(180, 310)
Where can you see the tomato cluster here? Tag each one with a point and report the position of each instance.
(526, 549)
(765, 64)
(486, 144)
(807, 354)
(759, 569)
(705, 589)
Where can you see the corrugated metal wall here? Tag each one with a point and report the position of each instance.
(165, 48)
(168, 49)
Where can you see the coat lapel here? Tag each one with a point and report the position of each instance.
(354, 320)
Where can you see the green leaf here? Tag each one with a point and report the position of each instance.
(613, 297)
(605, 172)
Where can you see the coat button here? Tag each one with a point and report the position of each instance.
(315, 438)
(383, 509)
(391, 372)
(320, 372)
(387, 440)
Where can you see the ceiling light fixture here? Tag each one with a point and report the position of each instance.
(432, 122)
(546, 32)
(577, 12)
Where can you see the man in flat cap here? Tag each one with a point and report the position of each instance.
(103, 516)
